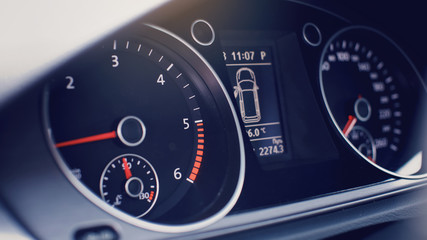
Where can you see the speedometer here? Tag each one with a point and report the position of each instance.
(368, 87)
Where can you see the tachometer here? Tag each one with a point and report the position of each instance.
(143, 124)
(368, 87)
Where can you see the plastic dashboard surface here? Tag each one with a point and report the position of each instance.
(263, 129)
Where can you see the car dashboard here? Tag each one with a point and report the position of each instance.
(214, 119)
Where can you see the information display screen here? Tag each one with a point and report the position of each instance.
(252, 76)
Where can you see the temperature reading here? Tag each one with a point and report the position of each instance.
(256, 132)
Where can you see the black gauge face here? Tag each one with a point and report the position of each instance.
(368, 99)
(129, 183)
(129, 120)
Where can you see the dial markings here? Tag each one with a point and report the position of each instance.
(365, 72)
(395, 96)
(199, 153)
(120, 190)
(394, 147)
(397, 131)
(120, 178)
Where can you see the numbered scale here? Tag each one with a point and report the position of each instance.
(366, 86)
(129, 120)
(130, 183)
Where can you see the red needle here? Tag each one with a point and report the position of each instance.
(93, 138)
(370, 158)
(349, 125)
(127, 169)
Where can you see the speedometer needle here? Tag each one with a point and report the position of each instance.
(349, 125)
(94, 138)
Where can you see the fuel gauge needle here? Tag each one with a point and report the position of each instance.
(349, 125)
(94, 138)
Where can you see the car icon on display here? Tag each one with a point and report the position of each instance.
(247, 92)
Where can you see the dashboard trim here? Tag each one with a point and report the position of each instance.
(312, 207)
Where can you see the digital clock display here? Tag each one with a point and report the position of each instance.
(252, 75)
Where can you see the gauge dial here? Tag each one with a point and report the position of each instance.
(171, 124)
(363, 141)
(367, 84)
(129, 183)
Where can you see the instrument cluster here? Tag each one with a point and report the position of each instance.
(171, 124)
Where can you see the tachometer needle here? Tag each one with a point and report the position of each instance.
(349, 125)
(93, 138)
(127, 169)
